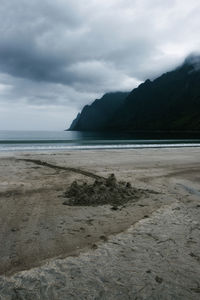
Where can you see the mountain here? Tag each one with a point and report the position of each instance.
(169, 103)
(96, 116)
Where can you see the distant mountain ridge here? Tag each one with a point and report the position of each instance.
(96, 116)
(170, 102)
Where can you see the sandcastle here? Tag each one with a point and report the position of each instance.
(102, 191)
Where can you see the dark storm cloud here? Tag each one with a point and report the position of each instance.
(66, 52)
(47, 40)
(31, 43)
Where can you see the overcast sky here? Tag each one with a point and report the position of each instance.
(58, 55)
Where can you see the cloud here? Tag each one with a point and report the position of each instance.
(66, 53)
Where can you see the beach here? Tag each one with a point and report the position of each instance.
(145, 248)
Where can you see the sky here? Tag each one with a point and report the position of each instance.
(58, 55)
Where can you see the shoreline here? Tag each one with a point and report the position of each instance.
(97, 147)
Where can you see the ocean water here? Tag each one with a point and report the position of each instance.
(71, 140)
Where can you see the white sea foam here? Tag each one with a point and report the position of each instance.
(93, 147)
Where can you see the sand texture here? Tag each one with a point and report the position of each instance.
(59, 242)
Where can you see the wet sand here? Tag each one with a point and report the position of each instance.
(147, 248)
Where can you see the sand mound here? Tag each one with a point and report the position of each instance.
(101, 192)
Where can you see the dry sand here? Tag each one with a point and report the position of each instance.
(145, 249)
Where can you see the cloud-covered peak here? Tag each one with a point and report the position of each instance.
(194, 60)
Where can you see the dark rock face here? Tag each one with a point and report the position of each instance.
(95, 117)
(169, 103)
(75, 122)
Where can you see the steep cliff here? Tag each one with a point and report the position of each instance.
(99, 113)
(169, 103)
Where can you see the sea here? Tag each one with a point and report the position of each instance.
(77, 140)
